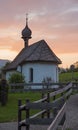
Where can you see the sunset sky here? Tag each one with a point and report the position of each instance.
(55, 21)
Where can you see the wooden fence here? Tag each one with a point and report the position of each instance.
(22, 87)
(75, 86)
(51, 109)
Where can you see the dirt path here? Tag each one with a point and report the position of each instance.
(13, 126)
(72, 112)
(71, 117)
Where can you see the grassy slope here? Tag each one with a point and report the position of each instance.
(10, 111)
(66, 77)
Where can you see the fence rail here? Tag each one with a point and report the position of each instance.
(58, 118)
(17, 87)
(52, 109)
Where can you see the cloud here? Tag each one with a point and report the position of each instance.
(11, 44)
(54, 21)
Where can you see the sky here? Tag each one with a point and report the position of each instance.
(55, 21)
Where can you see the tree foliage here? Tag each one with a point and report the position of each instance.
(16, 78)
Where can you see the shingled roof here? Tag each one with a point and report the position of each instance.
(37, 52)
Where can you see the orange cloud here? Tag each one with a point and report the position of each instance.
(54, 21)
(11, 44)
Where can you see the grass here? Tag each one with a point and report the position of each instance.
(9, 112)
(68, 76)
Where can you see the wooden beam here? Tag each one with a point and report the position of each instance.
(56, 121)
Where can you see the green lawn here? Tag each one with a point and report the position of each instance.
(10, 111)
(66, 77)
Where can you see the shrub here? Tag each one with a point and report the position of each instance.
(16, 78)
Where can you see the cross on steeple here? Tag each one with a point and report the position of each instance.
(26, 19)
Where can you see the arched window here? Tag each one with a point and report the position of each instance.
(31, 74)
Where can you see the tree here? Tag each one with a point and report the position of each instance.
(17, 78)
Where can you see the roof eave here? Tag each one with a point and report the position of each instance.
(9, 69)
(37, 61)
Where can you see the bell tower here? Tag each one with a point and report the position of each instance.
(26, 33)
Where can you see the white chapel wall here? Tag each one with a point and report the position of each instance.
(40, 71)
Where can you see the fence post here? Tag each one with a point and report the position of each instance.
(62, 123)
(42, 94)
(42, 115)
(27, 114)
(54, 97)
(62, 94)
(48, 100)
(19, 114)
(55, 111)
(3, 92)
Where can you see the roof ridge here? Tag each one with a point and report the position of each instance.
(42, 47)
(52, 52)
(36, 42)
(17, 56)
(33, 49)
(39, 44)
(55, 55)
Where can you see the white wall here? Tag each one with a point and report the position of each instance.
(40, 71)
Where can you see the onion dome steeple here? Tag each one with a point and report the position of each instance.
(26, 32)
